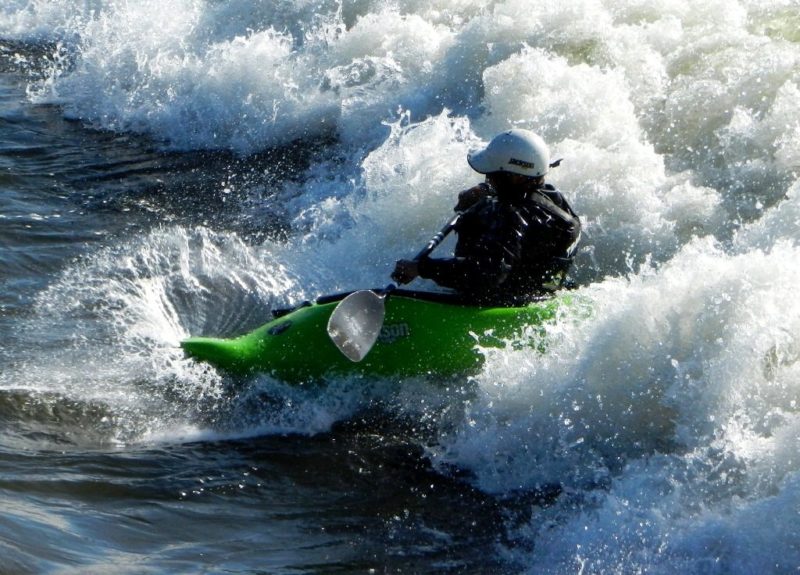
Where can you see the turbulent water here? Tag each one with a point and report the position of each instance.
(184, 167)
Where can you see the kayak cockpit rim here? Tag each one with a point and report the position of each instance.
(449, 298)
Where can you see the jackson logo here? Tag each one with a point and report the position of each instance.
(391, 333)
(521, 163)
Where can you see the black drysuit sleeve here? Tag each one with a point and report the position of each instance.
(490, 243)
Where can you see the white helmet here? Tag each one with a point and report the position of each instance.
(518, 151)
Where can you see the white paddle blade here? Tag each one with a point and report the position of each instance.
(355, 324)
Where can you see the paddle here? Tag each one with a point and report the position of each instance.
(355, 324)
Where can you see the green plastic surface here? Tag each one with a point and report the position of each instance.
(419, 337)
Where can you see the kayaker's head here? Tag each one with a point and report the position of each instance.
(514, 162)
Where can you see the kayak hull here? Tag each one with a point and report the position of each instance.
(419, 337)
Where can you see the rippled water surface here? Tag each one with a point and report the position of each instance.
(183, 169)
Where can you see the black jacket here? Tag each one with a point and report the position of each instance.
(509, 253)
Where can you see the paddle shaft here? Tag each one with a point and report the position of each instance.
(437, 239)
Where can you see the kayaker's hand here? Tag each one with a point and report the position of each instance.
(405, 271)
(470, 197)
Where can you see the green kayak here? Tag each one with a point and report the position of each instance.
(422, 334)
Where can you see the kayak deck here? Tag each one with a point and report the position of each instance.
(420, 336)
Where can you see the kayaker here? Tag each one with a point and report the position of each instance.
(517, 235)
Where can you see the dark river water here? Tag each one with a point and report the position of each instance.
(182, 168)
(355, 499)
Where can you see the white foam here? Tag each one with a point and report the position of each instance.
(679, 392)
(670, 412)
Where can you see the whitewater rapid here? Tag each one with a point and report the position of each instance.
(667, 405)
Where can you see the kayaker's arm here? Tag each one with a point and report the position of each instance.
(472, 196)
(459, 273)
(481, 261)
(466, 275)
(483, 257)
